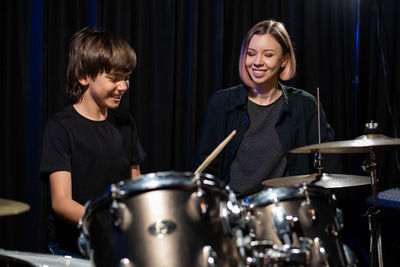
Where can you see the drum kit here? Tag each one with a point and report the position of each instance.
(193, 219)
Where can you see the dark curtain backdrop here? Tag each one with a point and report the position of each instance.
(186, 51)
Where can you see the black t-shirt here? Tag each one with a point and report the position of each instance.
(97, 153)
(260, 155)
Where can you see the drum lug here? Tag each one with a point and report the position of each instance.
(281, 224)
(236, 210)
(339, 218)
(320, 253)
(121, 215)
(209, 257)
(295, 225)
(232, 214)
(201, 203)
(351, 258)
(226, 218)
(313, 214)
(84, 245)
(114, 191)
(250, 226)
(125, 262)
(203, 207)
(331, 229)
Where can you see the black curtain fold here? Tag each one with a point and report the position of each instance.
(379, 83)
(14, 85)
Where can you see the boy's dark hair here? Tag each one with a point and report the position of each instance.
(92, 52)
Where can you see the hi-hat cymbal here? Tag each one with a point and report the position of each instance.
(325, 180)
(12, 207)
(362, 144)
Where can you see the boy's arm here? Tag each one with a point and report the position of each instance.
(61, 197)
(135, 171)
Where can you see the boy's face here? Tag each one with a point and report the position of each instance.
(106, 90)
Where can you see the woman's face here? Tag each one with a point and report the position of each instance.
(264, 59)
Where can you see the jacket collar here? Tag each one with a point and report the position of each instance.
(285, 106)
(241, 97)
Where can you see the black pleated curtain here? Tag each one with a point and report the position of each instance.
(15, 76)
(186, 51)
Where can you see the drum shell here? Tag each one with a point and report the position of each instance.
(299, 202)
(175, 225)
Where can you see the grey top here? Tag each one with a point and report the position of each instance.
(260, 155)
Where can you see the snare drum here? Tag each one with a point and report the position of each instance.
(302, 216)
(160, 219)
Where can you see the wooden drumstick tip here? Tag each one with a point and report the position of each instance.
(215, 153)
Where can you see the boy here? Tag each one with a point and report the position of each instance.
(87, 147)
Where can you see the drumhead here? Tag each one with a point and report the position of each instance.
(154, 181)
(270, 195)
(18, 258)
(168, 179)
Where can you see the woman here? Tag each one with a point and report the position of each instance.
(269, 117)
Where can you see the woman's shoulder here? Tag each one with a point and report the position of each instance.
(296, 94)
(237, 90)
(235, 95)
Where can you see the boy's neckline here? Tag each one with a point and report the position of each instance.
(87, 114)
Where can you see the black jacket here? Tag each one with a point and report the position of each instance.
(297, 126)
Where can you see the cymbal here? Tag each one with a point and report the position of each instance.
(325, 180)
(362, 144)
(12, 207)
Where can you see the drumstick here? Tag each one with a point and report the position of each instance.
(215, 153)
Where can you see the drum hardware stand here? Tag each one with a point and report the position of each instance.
(318, 164)
(317, 156)
(373, 213)
(318, 159)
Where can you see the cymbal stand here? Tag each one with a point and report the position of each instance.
(318, 163)
(373, 213)
(317, 156)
